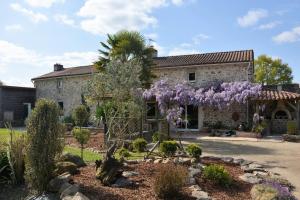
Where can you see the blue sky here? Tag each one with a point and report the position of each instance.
(35, 34)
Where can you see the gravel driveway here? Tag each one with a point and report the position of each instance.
(280, 157)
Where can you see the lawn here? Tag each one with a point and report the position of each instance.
(4, 135)
(89, 156)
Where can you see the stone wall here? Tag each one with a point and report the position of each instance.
(69, 93)
(207, 75)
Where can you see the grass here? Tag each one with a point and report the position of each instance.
(4, 135)
(89, 156)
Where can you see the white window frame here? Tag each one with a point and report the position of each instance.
(186, 121)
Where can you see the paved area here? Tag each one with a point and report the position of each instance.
(280, 157)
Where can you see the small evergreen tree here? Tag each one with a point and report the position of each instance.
(82, 136)
(45, 143)
(81, 116)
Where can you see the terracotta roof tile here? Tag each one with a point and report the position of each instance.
(169, 61)
(268, 95)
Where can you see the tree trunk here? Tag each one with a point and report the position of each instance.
(82, 151)
(108, 170)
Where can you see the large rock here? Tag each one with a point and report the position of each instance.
(77, 160)
(198, 193)
(263, 192)
(46, 196)
(62, 167)
(79, 196)
(129, 173)
(156, 161)
(122, 182)
(227, 159)
(70, 191)
(56, 183)
(194, 171)
(238, 161)
(253, 167)
(184, 161)
(250, 178)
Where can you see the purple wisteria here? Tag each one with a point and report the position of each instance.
(171, 97)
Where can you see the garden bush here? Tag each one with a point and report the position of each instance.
(169, 181)
(45, 144)
(292, 128)
(194, 150)
(217, 174)
(123, 152)
(168, 148)
(81, 115)
(5, 170)
(82, 136)
(139, 144)
(157, 136)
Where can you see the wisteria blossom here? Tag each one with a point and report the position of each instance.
(170, 98)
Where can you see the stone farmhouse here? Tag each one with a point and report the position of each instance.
(67, 87)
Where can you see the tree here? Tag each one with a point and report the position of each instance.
(80, 116)
(45, 143)
(82, 136)
(272, 71)
(126, 46)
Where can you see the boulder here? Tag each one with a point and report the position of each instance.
(165, 161)
(191, 181)
(184, 161)
(253, 167)
(80, 196)
(56, 183)
(250, 178)
(198, 193)
(62, 167)
(238, 161)
(77, 160)
(69, 191)
(122, 182)
(263, 192)
(227, 159)
(64, 186)
(45, 196)
(194, 171)
(129, 173)
(156, 161)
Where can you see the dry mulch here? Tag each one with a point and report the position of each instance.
(96, 141)
(93, 188)
(239, 189)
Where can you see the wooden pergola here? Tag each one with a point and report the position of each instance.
(283, 101)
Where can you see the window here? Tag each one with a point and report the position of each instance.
(192, 77)
(190, 117)
(59, 84)
(61, 105)
(151, 110)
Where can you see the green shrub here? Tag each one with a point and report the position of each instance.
(68, 119)
(45, 144)
(168, 147)
(5, 169)
(217, 174)
(169, 181)
(139, 144)
(157, 136)
(81, 115)
(292, 128)
(82, 136)
(194, 150)
(123, 152)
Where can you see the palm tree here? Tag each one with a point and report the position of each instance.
(125, 46)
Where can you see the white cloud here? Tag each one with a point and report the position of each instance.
(18, 65)
(182, 51)
(178, 2)
(252, 17)
(14, 28)
(43, 3)
(106, 16)
(288, 36)
(64, 19)
(270, 25)
(200, 37)
(35, 17)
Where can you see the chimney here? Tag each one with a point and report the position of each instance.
(58, 67)
(154, 52)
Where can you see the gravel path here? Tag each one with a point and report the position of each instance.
(280, 157)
